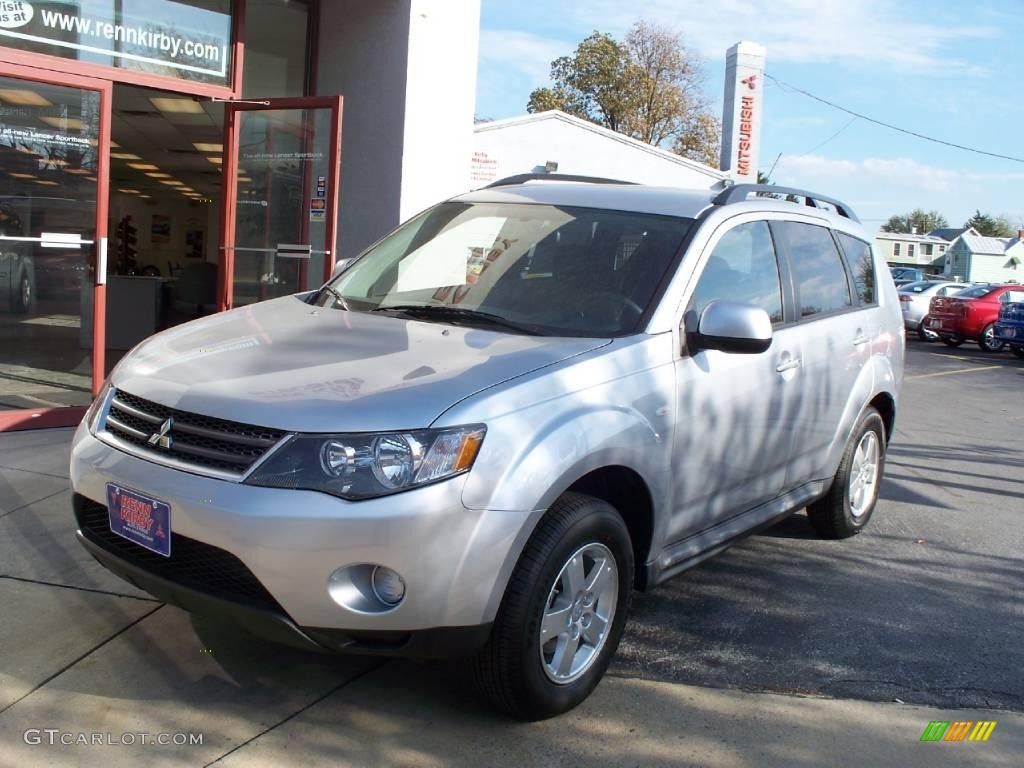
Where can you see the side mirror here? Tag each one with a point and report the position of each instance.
(728, 327)
(340, 266)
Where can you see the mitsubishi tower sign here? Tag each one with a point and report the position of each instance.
(742, 110)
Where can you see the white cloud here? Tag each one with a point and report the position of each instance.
(878, 187)
(528, 54)
(872, 32)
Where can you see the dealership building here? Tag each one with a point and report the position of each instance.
(165, 159)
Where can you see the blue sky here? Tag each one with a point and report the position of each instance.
(949, 70)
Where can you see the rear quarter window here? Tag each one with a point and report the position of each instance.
(858, 256)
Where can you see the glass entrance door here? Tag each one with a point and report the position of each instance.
(52, 233)
(281, 186)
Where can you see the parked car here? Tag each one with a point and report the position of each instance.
(1010, 326)
(904, 275)
(17, 272)
(915, 299)
(971, 314)
(481, 435)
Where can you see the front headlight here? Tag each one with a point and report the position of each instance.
(93, 414)
(366, 465)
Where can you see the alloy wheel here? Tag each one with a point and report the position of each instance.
(864, 474)
(578, 613)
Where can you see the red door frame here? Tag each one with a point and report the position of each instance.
(232, 133)
(38, 418)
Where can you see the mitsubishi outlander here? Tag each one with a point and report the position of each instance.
(480, 436)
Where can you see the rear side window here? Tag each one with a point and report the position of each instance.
(742, 269)
(818, 270)
(858, 256)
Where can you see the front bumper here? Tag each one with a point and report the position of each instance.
(455, 561)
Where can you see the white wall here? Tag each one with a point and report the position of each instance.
(444, 40)
(407, 70)
(511, 147)
(363, 56)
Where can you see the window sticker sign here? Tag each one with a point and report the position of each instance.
(187, 40)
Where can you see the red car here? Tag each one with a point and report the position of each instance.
(971, 314)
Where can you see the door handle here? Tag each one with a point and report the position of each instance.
(860, 339)
(789, 365)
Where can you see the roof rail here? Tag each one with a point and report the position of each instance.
(524, 177)
(739, 192)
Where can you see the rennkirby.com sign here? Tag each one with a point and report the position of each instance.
(153, 36)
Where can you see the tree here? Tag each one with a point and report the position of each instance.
(648, 86)
(917, 220)
(990, 226)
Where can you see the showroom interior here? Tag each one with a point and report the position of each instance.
(140, 190)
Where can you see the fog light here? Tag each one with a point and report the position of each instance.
(387, 585)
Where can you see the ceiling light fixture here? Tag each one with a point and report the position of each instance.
(178, 106)
(124, 156)
(207, 147)
(143, 166)
(64, 123)
(23, 98)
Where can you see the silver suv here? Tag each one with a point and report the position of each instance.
(480, 436)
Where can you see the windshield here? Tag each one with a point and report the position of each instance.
(917, 287)
(542, 269)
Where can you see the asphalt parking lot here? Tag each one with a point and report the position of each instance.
(784, 650)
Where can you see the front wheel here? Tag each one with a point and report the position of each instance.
(952, 341)
(563, 612)
(988, 341)
(847, 507)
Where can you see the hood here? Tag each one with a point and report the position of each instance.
(291, 366)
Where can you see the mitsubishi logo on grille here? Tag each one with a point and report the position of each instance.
(163, 437)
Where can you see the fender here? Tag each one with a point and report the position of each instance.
(875, 378)
(568, 446)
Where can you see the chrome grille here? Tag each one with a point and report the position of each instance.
(197, 441)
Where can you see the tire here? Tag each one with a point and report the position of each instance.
(23, 298)
(517, 672)
(1017, 351)
(988, 341)
(952, 341)
(847, 507)
(923, 333)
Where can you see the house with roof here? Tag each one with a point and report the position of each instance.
(949, 234)
(975, 258)
(555, 141)
(902, 249)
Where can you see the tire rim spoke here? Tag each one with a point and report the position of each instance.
(555, 622)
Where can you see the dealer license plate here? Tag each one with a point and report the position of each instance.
(934, 323)
(139, 518)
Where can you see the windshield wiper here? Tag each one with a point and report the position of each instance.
(457, 314)
(338, 298)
